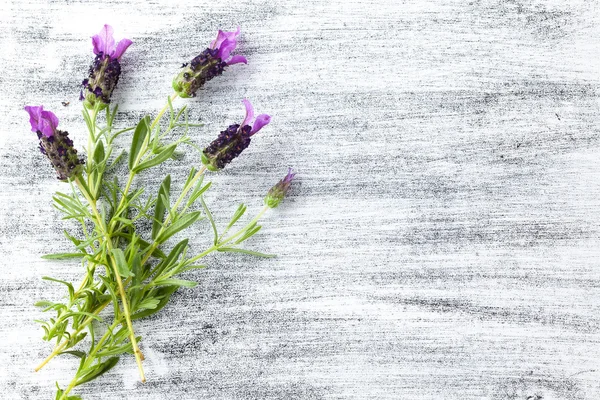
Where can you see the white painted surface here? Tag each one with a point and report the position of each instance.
(442, 242)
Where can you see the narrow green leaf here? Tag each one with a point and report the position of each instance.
(183, 222)
(69, 286)
(73, 239)
(99, 153)
(249, 233)
(98, 370)
(159, 210)
(139, 136)
(164, 294)
(136, 267)
(149, 303)
(176, 282)
(198, 192)
(210, 218)
(158, 159)
(63, 256)
(122, 266)
(192, 267)
(75, 353)
(171, 259)
(250, 252)
(126, 348)
(143, 245)
(191, 176)
(44, 303)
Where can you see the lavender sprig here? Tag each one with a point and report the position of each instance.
(124, 265)
(209, 64)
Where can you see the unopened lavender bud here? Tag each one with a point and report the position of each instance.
(279, 191)
(54, 144)
(208, 64)
(104, 71)
(233, 140)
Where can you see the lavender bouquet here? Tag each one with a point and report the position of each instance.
(132, 269)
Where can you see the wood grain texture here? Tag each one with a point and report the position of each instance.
(442, 241)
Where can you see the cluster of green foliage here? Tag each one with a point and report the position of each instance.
(125, 266)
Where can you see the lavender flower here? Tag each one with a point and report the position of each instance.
(105, 71)
(54, 144)
(232, 141)
(208, 64)
(279, 191)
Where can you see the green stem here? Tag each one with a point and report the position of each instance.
(90, 357)
(175, 207)
(161, 113)
(229, 239)
(136, 350)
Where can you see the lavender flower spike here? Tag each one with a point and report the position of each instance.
(278, 192)
(208, 64)
(233, 140)
(54, 144)
(105, 70)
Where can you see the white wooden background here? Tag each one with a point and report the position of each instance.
(442, 241)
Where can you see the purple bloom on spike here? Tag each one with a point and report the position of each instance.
(105, 70)
(208, 64)
(232, 141)
(280, 190)
(54, 144)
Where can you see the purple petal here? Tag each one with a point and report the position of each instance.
(217, 42)
(104, 42)
(237, 59)
(249, 112)
(35, 114)
(50, 119)
(261, 120)
(43, 121)
(226, 48)
(290, 175)
(221, 36)
(121, 47)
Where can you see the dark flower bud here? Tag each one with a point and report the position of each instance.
(279, 191)
(233, 140)
(105, 70)
(54, 144)
(208, 64)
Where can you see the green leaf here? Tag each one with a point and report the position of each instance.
(210, 218)
(171, 258)
(143, 245)
(122, 266)
(139, 137)
(149, 303)
(69, 286)
(99, 153)
(176, 282)
(76, 339)
(158, 159)
(97, 370)
(198, 190)
(73, 239)
(249, 232)
(76, 353)
(159, 210)
(237, 215)
(164, 294)
(183, 222)
(136, 267)
(44, 303)
(250, 252)
(63, 256)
